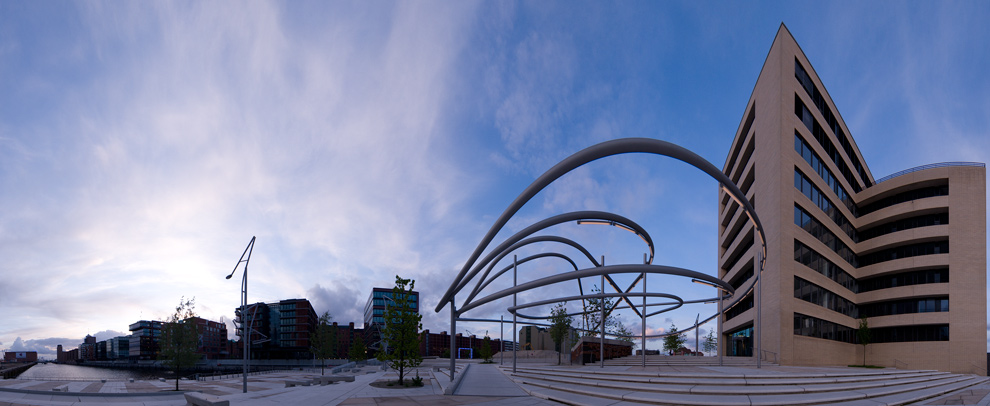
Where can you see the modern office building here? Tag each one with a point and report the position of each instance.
(279, 330)
(907, 251)
(374, 315)
(143, 343)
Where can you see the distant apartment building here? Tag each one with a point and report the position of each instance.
(87, 350)
(143, 344)
(212, 338)
(20, 356)
(346, 335)
(438, 345)
(374, 315)
(278, 330)
(118, 348)
(535, 338)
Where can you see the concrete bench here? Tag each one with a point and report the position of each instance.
(289, 384)
(200, 399)
(61, 388)
(326, 380)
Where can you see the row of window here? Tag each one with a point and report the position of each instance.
(904, 224)
(809, 155)
(938, 275)
(833, 123)
(812, 259)
(905, 306)
(905, 251)
(739, 308)
(802, 112)
(742, 137)
(812, 293)
(814, 327)
(931, 191)
(742, 249)
(809, 189)
(804, 220)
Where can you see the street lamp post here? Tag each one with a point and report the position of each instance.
(245, 338)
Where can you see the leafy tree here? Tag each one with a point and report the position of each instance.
(402, 324)
(560, 326)
(180, 339)
(323, 341)
(623, 334)
(357, 353)
(674, 340)
(486, 349)
(864, 335)
(594, 315)
(711, 343)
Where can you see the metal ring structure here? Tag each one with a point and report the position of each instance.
(473, 266)
(593, 153)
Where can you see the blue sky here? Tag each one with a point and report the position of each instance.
(143, 144)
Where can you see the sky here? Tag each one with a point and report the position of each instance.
(143, 144)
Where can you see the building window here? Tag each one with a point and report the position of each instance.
(739, 308)
(939, 275)
(904, 224)
(812, 293)
(905, 251)
(910, 195)
(804, 220)
(741, 343)
(812, 259)
(906, 306)
(812, 192)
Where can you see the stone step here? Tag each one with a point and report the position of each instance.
(670, 385)
(588, 391)
(728, 378)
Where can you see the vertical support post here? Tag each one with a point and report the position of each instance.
(453, 337)
(644, 313)
(501, 339)
(515, 333)
(718, 348)
(244, 324)
(696, 329)
(601, 303)
(759, 300)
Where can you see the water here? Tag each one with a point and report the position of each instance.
(82, 373)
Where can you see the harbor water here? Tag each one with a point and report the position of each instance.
(64, 372)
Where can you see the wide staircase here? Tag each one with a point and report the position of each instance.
(673, 361)
(736, 385)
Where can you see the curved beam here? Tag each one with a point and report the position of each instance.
(514, 309)
(592, 153)
(602, 270)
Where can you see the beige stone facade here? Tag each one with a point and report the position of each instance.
(908, 252)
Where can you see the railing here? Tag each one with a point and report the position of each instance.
(220, 377)
(980, 369)
(897, 361)
(929, 166)
(765, 357)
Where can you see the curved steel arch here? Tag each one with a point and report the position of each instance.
(545, 223)
(514, 309)
(482, 283)
(597, 271)
(592, 153)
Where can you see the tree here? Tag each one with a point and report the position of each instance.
(674, 340)
(180, 339)
(711, 343)
(486, 349)
(357, 353)
(560, 326)
(323, 341)
(623, 334)
(402, 324)
(594, 314)
(864, 336)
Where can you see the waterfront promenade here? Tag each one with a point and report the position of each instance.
(483, 385)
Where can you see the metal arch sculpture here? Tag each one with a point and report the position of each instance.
(595, 152)
(592, 153)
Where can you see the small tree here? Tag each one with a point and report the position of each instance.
(674, 340)
(711, 343)
(357, 353)
(486, 349)
(402, 324)
(180, 339)
(560, 325)
(864, 336)
(323, 341)
(623, 334)
(594, 314)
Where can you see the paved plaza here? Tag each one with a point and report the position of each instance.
(483, 385)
